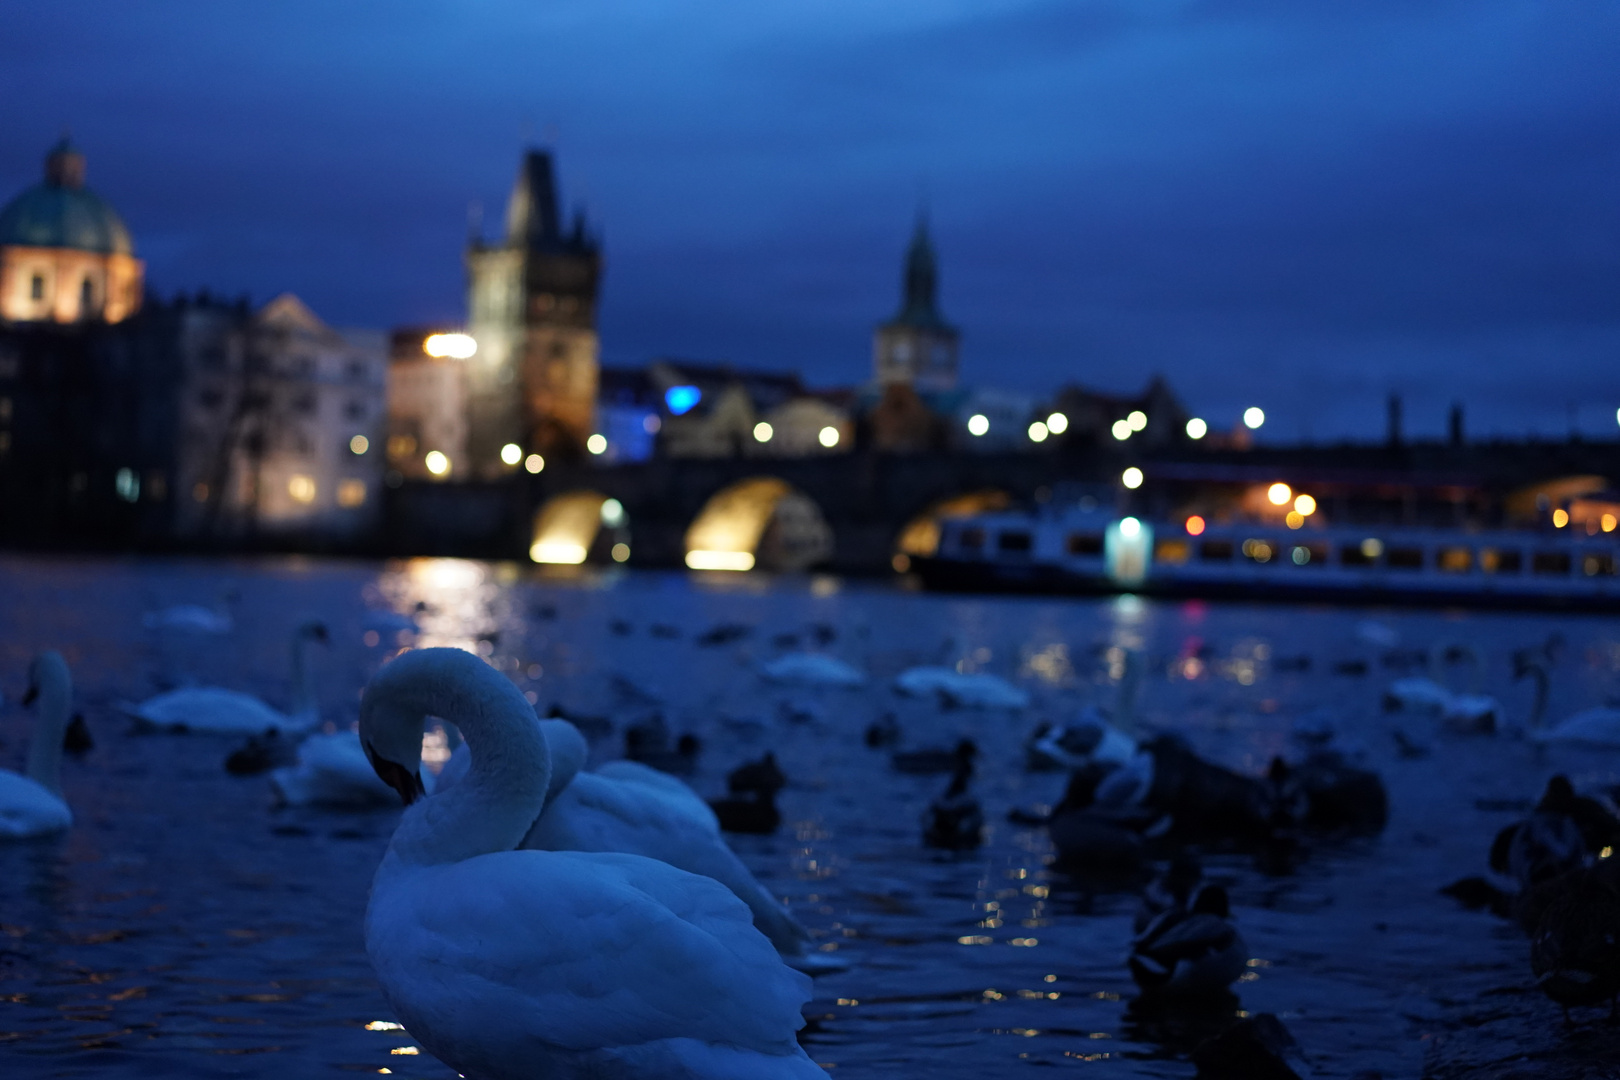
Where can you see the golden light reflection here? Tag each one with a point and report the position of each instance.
(1279, 494)
(761, 521)
(720, 560)
(921, 534)
(566, 526)
(384, 1025)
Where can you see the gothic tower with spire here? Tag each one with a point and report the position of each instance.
(532, 309)
(917, 347)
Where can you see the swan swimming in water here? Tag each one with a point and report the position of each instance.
(509, 964)
(811, 669)
(211, 710)
(332, 770)
(32, 804)
(627, 807)
(976, 691)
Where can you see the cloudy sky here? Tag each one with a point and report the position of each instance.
(1305, 204)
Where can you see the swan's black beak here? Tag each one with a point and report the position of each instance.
(397, 776)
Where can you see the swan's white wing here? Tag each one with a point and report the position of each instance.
(598, 813)
(209, 710)
(28, 809)
(1593, 727)
(680, 798)
(500, 956)
(811, 669)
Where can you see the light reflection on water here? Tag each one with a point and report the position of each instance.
(184, 927)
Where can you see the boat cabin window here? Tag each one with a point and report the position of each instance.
(1014, 541)
(972, 539)
(1308, 555)
(1501, 561)
(1404, 558)
(1215, 551)
(1173, 551)
(1596, 563)
(1363, 554)
(1550, 562)
(1260, 551)
(1085, 543)
(1454, 560)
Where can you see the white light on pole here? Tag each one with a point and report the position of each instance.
(1137, 419)
(1196, 428)
(1057, 423)
(1131, 478)
(1253, 417)
(1038, 432)
(978, 424)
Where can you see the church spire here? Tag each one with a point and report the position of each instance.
(531, 213)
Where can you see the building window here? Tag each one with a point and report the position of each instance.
(351, 492)
(36, 287)
(301, 488)
(128, 485)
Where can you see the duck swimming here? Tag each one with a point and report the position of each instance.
(499, 961)
(1196, 952)
(954, 821)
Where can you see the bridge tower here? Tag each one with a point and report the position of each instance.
(531, 303)
(917, 347)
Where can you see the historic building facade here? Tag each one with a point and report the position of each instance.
(917, 347)
(65, 255)
(532, 310)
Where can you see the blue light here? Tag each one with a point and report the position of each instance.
(681, 399)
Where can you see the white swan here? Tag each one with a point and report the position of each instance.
(811, 669)
(510, 964)
(333, 770)
(191, 618)
(32, 805)
(980, 690)
(1472, 712)
(1596, 727)
(212, 710)
(627, 807)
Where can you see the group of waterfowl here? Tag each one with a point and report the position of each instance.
(522, 890)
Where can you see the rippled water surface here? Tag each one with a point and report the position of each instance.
(187, 927)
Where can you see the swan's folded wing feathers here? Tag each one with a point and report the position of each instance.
(681, 798)
(603, 950)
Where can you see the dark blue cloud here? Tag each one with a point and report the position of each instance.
(1307, 205)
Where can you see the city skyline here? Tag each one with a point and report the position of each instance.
(1301, 210)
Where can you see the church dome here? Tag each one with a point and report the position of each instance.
(63, 213)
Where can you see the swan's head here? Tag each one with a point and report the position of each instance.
(48, 669)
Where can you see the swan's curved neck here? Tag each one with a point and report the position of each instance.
(303, 679)
(55, 701)
(504, 791)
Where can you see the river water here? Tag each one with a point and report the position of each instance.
(185, 926)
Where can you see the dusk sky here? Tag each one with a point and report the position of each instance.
(1302, 205)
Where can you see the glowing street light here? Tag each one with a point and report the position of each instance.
(359, 444)
(454, 346)
(978, 424)
(1131, 478)
(1253, 417)
(597, 444)
(1279, 494)
(511, 453)
(1305, 505)
(1038, 432)
(1129, 527)
(1057, 423)
(534, 463)
(1196, 428)
(828, 437)
(1121, 430)
(1137, 419)
(437, 463)
(763, 432)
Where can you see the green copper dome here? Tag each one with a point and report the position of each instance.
(63, 213)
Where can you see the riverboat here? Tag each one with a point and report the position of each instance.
(1095, 551)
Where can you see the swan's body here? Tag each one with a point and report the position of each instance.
(511, 964)
(979, 691)
(212, 710)
(811, 669)
(1596, 727)
(32, 805)
(1088, 738)
(1418, 694)
(625, 806)
(332, 770)
(189, 618)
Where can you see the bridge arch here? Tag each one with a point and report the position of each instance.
(762, 522)
(920, 535)
(580, 526)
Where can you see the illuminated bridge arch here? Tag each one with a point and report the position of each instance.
(761, 521)
(920, 536)
(580, 526)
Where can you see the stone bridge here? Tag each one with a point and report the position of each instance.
(865, 502)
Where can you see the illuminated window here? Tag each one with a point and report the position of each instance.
(351, 492)
(1170, 551)
(301, 488)
(1259, 551)
(128, 485)
(1498, 561)
(1454, 560)
(1309, 555)
(1595, 563)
